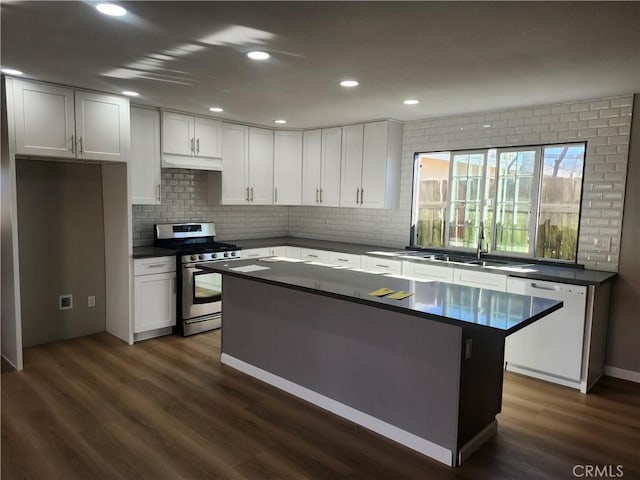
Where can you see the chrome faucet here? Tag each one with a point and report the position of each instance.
(480, 239)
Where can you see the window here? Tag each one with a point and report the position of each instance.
(526, 200)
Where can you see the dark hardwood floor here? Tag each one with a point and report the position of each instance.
(95, 408)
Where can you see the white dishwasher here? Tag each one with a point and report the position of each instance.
(553, 345)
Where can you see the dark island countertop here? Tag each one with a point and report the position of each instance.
(533, 271)
(503, 313)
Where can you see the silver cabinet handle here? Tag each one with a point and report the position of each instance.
(317, 195)
(311, 255)
(81, 150)
(357, 196)
(553, 288)
(361, 196)
(320, 195)
(342, 260)
(158, 192)
(192, 147)
(73, 144)
(275, 199)
(156, 265)
(252, 194)
(247, 194)
(173, 284)
(198, 145)
(382, 266)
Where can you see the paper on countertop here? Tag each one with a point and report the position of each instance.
(381, 292)
(399, 295)
(249, 268)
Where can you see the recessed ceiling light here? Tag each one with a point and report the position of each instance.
(111, 9)
(129, 93)
(349, 83)
(257, 55)
(411, 102)
(280, 121)
(487, 125)
(11, 71)
(216, 109)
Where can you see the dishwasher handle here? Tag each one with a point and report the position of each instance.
(539, 286)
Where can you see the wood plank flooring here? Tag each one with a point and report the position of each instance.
(95, 408)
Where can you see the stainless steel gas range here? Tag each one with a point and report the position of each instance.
(200, 293)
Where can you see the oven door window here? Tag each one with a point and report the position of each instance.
(207, 287)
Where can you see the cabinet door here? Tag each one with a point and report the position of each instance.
(287, 168)
(330, 167)
(278, 251)
(208, 137)
(344, 259)
(381, 264)
(102, 127)
(311, 155)
(428, 271)
(235, 164)
(471, 278)
(351, 178)
(44, 119)
(256, 253)
(178, 134)
(145, 156)
(260, 166)
(155, 301)
(374, 164)
(312, 255)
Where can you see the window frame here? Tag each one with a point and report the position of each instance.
(537, 179)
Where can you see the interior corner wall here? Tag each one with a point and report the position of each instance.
(623, 339)
(62, 251)
(9, 310)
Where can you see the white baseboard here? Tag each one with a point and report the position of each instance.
(392, 432)
(622, 373)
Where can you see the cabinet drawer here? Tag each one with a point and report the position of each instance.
(381, 264)
(256, 253)
(428, 271)
(346, 259)
(470, 278)
(313, 255)
(148, 266)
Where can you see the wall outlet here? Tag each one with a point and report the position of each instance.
(91, 301)
(65, 302)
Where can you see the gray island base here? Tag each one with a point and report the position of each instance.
(425, 371)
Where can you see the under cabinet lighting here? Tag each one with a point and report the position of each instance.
(349, 83)
(11, 71)
(129, 93)
(258, 55)
(216, 109)
(111, 9)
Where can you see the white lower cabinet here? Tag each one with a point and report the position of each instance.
(343, 259)
(256, 253)
(381, 264)
(154, 290)
(313, 255)
(427, 271)
(472, 278)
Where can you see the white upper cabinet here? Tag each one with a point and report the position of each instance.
(191, 142)
(287, 168)
(321, 167)
(247, 173)
(145, 156)
(371, 157)
(351, 179)
(53, 121)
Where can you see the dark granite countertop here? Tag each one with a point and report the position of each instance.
(505, 313)
(150, 252)
(533, 271)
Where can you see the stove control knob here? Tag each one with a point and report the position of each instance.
(226, 254)
(201, 257)
(194, 257)
(233, 254)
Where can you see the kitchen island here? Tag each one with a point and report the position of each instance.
(425, 371)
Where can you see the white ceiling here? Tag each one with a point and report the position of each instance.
(455, 57)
